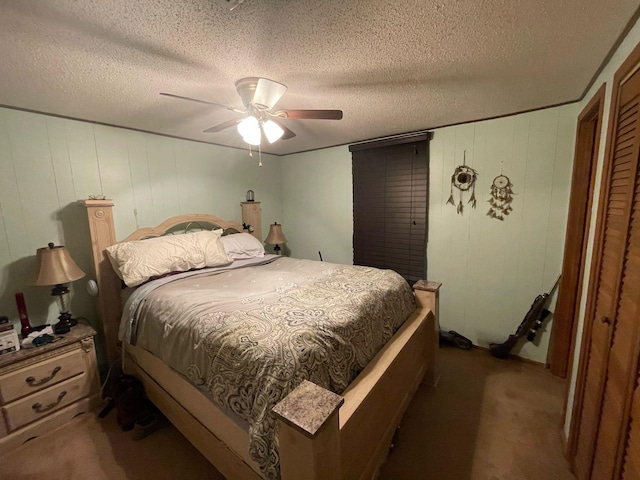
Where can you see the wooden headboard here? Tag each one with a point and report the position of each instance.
(102, 234)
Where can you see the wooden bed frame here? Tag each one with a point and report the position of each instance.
(321, 435)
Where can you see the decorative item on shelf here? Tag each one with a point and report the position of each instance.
(464, 179)
(56, 267)
(275, 237)
(250, 196)
(501, 197)
(24, 318)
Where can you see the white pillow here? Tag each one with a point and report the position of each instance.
(137, 261)
(240, 246)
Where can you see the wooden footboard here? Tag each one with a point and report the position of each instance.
(222, 440)
(352, 440)
(321, 435)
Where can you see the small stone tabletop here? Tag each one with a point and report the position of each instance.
(427, 286)
(308, 407)
(77, 333)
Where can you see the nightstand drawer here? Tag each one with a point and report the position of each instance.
(36, 377)
(26, 410)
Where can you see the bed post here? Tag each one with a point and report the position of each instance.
(309, 433)
(102, 231)
(252, 216)
(428, 295)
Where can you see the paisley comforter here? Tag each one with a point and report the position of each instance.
(247, 336)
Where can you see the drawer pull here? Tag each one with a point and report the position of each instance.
(35, 383)
(40, 409)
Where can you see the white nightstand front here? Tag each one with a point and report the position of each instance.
(41, 375)
(44, 387)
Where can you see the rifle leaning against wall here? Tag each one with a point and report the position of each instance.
(529, 326)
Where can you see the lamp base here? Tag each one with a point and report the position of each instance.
(61, 328)
(65, 323)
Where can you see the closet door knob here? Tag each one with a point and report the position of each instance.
(606, 320)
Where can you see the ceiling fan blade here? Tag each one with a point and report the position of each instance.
(221, 126)
(287, 132)
(237, 110)
(268, 93)
(310, 114)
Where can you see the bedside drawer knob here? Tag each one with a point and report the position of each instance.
(34, 383)
(40, 409)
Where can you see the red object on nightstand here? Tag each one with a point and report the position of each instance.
(24, 318)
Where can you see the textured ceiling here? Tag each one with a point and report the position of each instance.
(391, 66)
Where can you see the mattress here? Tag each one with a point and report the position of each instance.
(248, 333)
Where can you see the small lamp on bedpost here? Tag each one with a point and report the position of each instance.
(57, 268)
(275, 237)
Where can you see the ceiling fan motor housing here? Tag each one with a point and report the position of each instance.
(262, 93)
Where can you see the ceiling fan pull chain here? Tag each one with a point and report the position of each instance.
(259, 156)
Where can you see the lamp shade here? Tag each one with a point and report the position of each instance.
(275, 237)
(272, 131)
(249, 128)
(55, 266)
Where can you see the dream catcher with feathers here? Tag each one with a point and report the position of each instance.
(464, 179)
(501, 197)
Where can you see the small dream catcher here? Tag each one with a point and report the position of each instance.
(464, 179)
(501, 197)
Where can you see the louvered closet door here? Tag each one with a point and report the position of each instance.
(623, 355)
(630, 432)
(606, 386)
(631, 465)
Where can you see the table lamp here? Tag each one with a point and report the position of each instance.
(275, 237)
(56, 267)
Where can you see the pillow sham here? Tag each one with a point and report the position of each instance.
(240, 246)
(137, 261)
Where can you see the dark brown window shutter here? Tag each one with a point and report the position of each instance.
(390, 197)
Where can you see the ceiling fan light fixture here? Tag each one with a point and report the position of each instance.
(247, 125)
(249, 128)
(253, 137)
(272, 131)
(259, 96)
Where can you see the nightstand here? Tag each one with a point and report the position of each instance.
(44, 387)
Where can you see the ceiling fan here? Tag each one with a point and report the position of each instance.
(259, 96)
